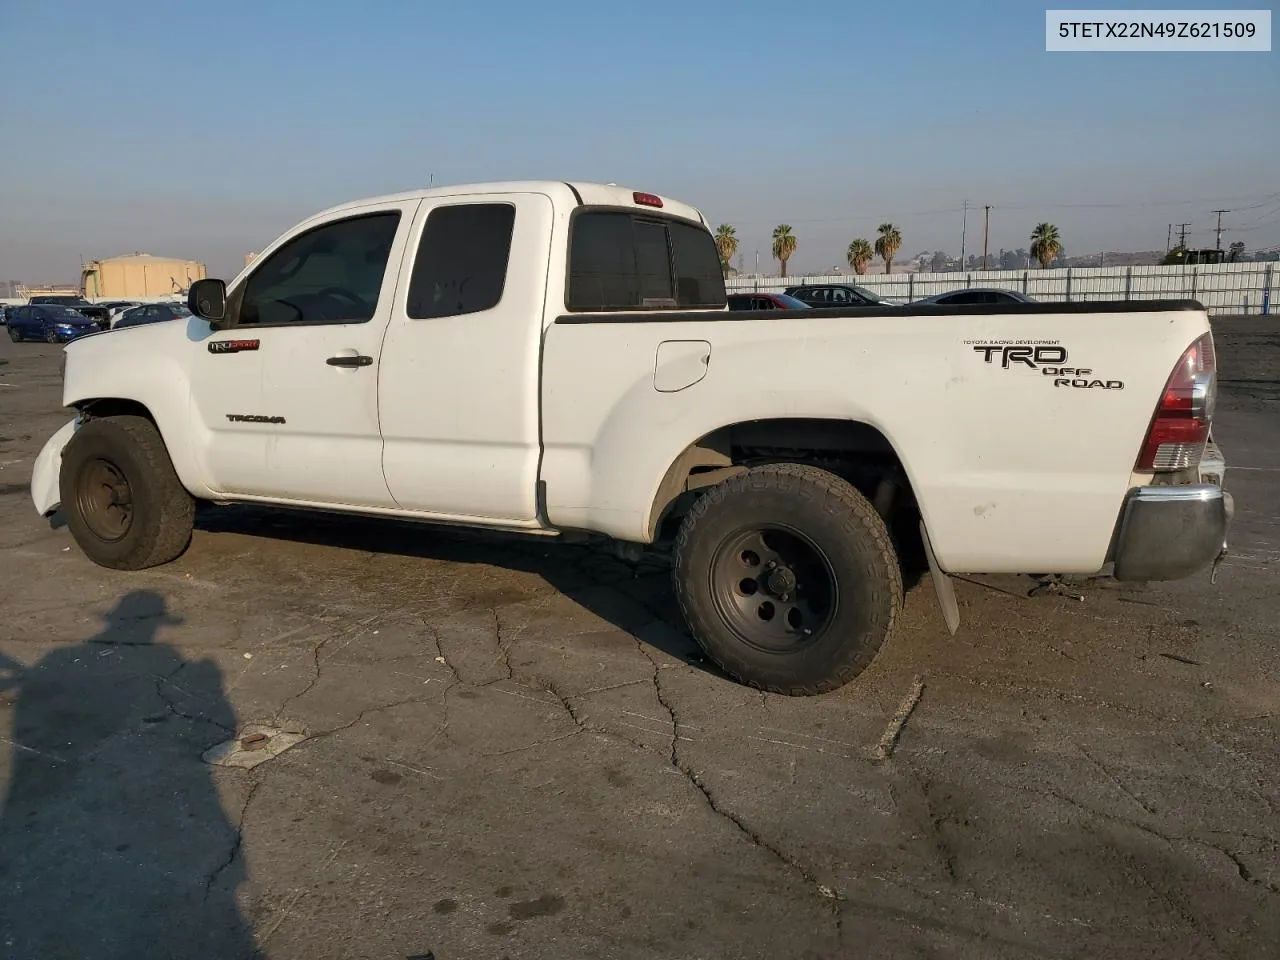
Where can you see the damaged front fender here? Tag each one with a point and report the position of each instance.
(44, 475)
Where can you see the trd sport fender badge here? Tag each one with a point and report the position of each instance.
(232, 346)
(1047, 356)
(253, 418)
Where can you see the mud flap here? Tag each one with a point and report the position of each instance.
(942, 585)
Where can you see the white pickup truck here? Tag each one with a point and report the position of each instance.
(558, 358)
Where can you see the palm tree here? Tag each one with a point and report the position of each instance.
(726, 245)
(887, 244)
(1046, 243)
(860, 254)
(784, 245)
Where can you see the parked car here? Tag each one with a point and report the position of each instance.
(95, 312)
(825, 295)
(568, 344)
(974, 296)
(4, 314)
(65, 299)
(98, 313)
(765, 301)
(150, 313)
(117, 307)
(50, 322)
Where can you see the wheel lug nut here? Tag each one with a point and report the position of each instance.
(771, 564)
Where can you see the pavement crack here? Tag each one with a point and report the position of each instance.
(1115, 781)
(504, 647)
(236, 845)
(1172, 839)
(173, 709)
(315, 678)
(369, 711)
(566, 702)
(434, 634)
(757, 839)
(1245, 873)
(537, 743)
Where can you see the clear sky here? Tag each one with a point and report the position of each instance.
(205, 129)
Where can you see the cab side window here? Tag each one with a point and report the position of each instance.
(462, 259)
(331, 274)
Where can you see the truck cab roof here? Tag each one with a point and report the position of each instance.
(568, 193)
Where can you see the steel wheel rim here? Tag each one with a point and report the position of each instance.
(774, 587)
(105, 499)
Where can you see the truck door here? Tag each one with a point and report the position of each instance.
(458, 385)
(288, 394)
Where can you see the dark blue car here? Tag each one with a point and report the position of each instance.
(51, 323)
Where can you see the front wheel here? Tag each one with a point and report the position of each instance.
(124, 503)
(787, 578)
(14, 335)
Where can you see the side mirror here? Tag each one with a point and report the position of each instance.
(208, 299)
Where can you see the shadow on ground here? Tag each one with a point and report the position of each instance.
(114, 842)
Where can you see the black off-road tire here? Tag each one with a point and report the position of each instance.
(162, 512)
(849, 537)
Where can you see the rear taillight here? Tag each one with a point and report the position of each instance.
(1180, 426)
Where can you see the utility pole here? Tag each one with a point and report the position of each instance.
(964, 222)
(986, 232)
(1168, 240)
(1182, 235)
(1217, 243)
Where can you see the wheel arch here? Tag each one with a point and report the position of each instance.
(734, 447)
(180, 453)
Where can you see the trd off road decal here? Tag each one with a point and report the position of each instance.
(232, 346)
(1048, 357)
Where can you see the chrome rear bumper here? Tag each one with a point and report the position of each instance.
(1167, 533)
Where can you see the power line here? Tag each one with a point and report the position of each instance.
(1264, 200)
(1260, 200)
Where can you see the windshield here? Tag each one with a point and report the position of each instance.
(791, 302)
(869, 294)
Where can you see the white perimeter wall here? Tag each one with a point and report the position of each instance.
(1222, 287)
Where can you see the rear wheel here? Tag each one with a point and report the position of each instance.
(787, 578)
(124, 504)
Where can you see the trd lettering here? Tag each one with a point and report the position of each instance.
(1033, 357)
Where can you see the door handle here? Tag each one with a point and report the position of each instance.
(360, 361)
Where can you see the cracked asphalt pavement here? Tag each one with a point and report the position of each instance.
(510, 749)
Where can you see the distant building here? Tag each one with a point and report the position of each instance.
(27, 290)
(139, 275)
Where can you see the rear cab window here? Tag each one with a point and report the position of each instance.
(622, 260)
